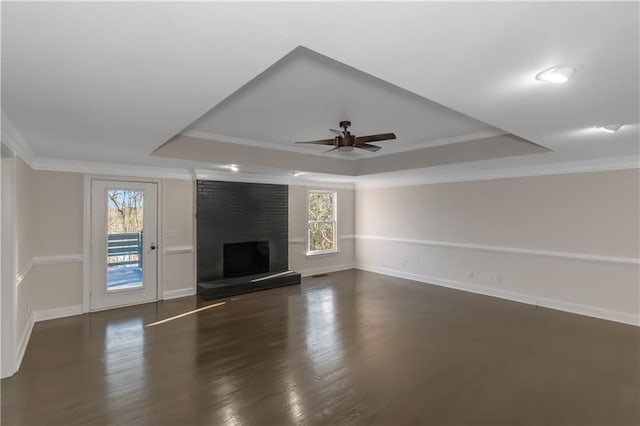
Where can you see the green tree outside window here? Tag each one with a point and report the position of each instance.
(321, 224)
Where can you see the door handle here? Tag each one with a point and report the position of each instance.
(153, 246)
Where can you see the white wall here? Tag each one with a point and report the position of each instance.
(56, 217)
(565, 241)
(178, 238)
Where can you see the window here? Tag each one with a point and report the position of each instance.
(322, 222)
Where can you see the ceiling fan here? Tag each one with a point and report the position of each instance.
(345, 141)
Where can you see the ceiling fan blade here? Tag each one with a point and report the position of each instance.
(368, 147)
(337, 132)
(322, 142)
(332, 149)
(375, 138)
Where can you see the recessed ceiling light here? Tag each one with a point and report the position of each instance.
(610, 128)
(557, 74)
(296, 174)
(233, 167)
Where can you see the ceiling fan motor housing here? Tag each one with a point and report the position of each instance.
(345, 141)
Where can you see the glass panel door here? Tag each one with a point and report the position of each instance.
(124, 232)
(125, 225)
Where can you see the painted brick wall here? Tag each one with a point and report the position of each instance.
(231, 212)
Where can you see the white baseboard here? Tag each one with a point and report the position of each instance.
(560, 305)
(181, 292)
(49, 314)
(326, 269)
(24, 341)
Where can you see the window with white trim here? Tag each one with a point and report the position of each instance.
(322, 223)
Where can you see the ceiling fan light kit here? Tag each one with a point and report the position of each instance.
(345, 141)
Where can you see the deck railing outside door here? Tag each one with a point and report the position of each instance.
(125, 249)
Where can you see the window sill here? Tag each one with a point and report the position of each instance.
(320, 253)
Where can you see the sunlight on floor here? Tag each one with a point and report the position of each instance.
(184, 314)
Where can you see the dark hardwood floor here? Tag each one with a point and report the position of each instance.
(348, 348)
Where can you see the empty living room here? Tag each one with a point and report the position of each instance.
(320, 213)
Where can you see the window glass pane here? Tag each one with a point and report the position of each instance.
(321, 236)
(125, 213)
(321, 206)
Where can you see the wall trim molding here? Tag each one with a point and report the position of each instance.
(24, 341)
(37, 316)
(14, 140)
(178, 249)
(22, 273)
(326, 269)
(290, 180)
(64, 258)
(432, 176)
(46, 260)
(579, 257)
(559, 305)
(181, 292)
(372, 181)
(302, 240)
(110, 169)
(49, 314)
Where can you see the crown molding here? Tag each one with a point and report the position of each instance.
(248, 142)
(14, 140)
(429, 177)
(112, 169)
(389, 149)
(405, 178)
(132, 170)
(230, 176)
(202, 174)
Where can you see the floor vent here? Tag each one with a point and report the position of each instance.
(319, 275)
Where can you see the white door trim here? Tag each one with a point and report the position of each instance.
(8, 309)
(86, 232)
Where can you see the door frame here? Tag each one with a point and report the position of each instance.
(86, 235)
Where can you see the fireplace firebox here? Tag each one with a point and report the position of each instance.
(245, 258)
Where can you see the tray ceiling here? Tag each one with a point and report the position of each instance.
(110, 82)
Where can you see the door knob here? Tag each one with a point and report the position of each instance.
(153, 246)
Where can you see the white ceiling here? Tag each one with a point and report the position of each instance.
(111, 82)
(304, 94)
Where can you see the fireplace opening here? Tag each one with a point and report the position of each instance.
(246, 258)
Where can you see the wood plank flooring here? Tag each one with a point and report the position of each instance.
(348, 348)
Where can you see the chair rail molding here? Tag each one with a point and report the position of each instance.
(178, 249)
(579, 257)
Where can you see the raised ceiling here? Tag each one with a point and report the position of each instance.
(304, 94)
(111, 82)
